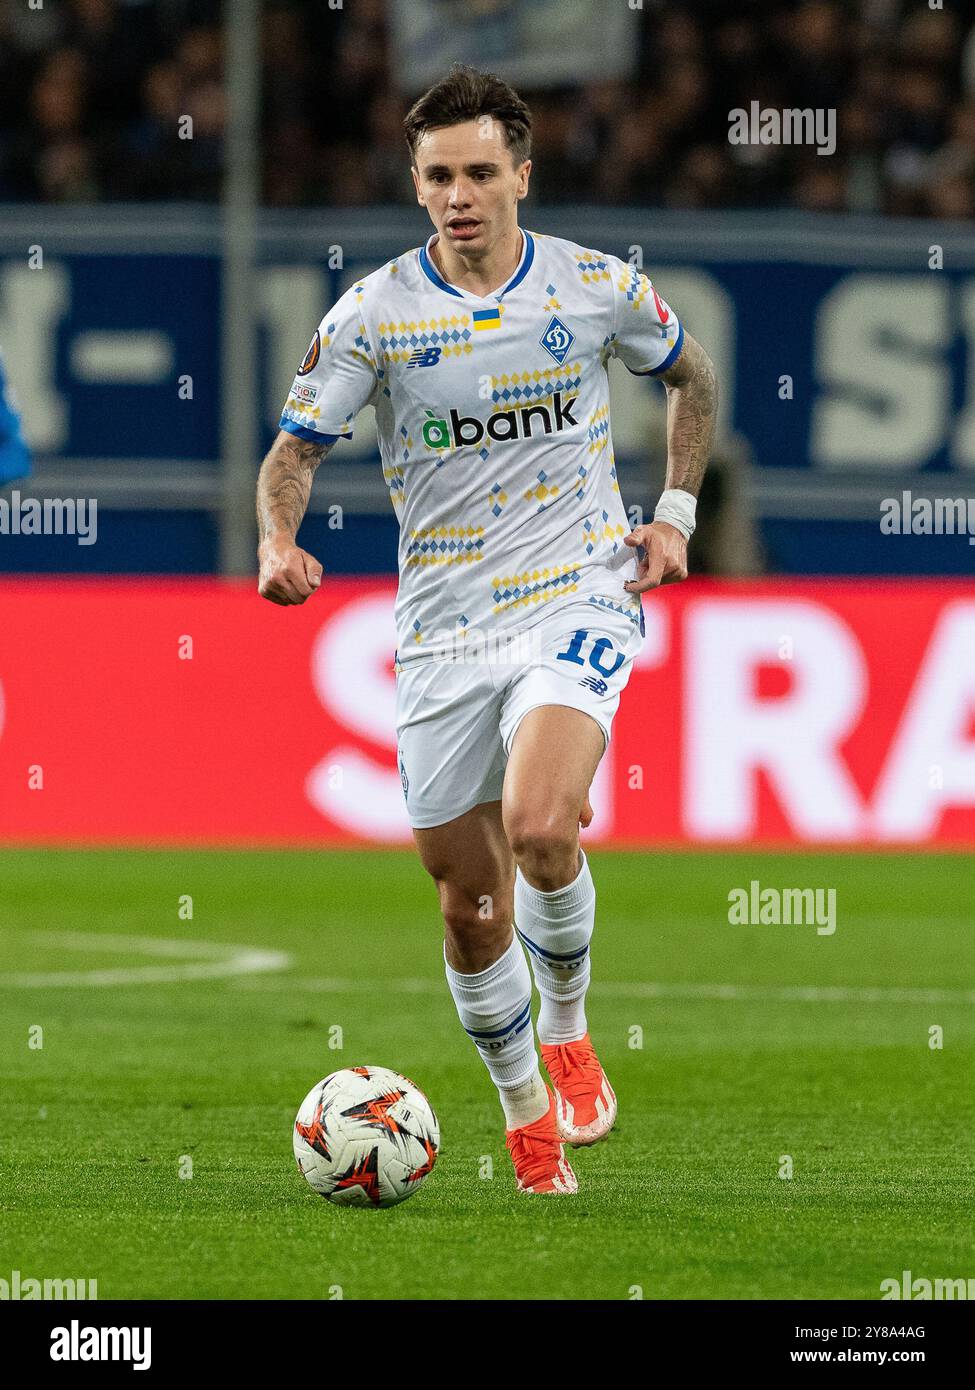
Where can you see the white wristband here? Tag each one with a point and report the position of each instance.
(677, 508)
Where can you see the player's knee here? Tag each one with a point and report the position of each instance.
(467, 916)
(475, 931)
(463, 924)
(543, 839)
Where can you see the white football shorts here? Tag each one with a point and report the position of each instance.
(456, 719)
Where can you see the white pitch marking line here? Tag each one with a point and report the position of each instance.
(211, 960)
(642, 989)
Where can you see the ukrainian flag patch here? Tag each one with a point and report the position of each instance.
(487, 318)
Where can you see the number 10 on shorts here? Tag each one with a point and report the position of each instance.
(598, 647)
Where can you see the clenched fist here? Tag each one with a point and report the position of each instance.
(288, 573)
(665, 556)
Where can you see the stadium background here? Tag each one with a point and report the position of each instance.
(150, 330)
(810, 690)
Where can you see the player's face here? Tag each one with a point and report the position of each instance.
(467, 181)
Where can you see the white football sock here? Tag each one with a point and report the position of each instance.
(495, 1008)
(557, 927)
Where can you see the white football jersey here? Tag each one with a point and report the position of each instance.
(493, 425)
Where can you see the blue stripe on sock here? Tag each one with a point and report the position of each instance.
(521, 1019)
(551, 955)
(487, 1044)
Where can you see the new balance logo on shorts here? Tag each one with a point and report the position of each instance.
(597, 686)
(425, 357)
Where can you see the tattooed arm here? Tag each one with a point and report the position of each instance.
(692, 401)
(288, 573)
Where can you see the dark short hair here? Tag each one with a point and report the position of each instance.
(464, 95)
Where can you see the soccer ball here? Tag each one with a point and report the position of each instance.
(366, 1137)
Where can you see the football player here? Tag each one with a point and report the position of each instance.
(518, 615)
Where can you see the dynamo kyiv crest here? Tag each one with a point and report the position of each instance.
(556, 340)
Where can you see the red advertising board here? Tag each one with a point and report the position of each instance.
(766, 712)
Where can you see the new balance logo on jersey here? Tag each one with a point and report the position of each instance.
(597, 686)
(425, 357)
(439, 433)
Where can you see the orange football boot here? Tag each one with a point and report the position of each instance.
(585, 1109)
(539, 1158)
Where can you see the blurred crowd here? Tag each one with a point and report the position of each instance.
(94, 96)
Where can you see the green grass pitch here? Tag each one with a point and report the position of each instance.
(758, 1042)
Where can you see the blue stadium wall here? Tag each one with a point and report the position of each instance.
(845, 349)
